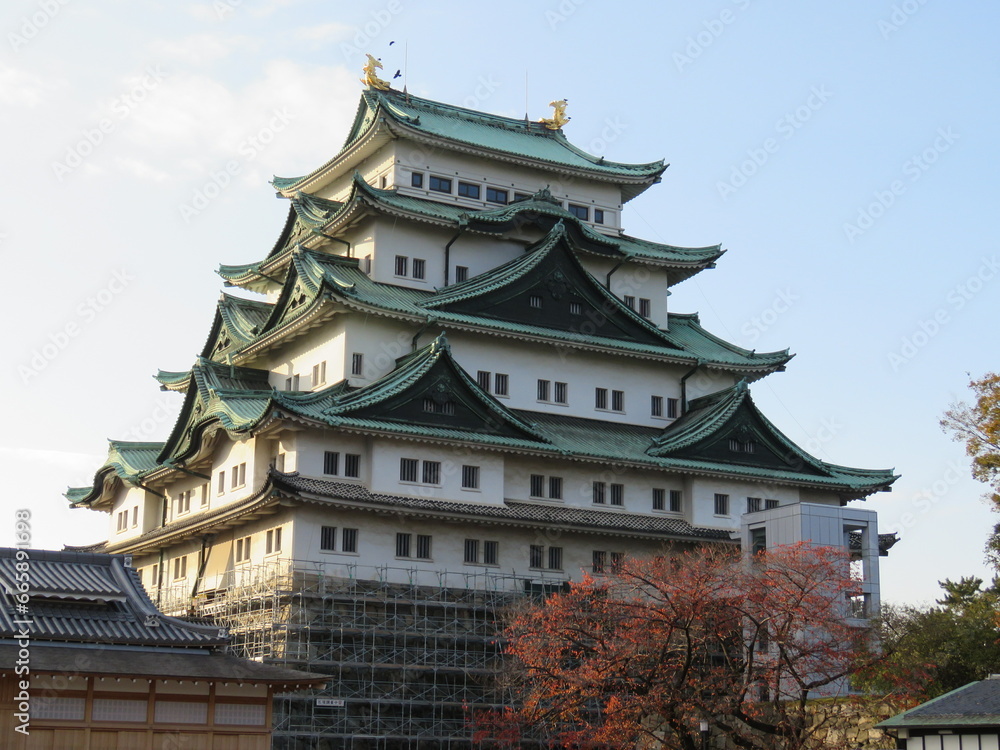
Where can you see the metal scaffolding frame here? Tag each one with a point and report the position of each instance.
(410, 652)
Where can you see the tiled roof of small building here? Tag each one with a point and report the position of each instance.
(974, 705)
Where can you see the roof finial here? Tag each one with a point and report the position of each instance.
(371, 79)
(559, 117)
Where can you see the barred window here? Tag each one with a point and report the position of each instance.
(675, 501)
(432, 472)
(349, 540)
(537, 485)
(753, 504)
(491, 553)
(470, 477)
(535, 555)
(555, 488)
(403, 545)
(672, 410)
(471, 550)
(601, 398)
(543, 390)
(600, 492)
(328, 538)
(408, 469)
(617, 400)
(559, 392)
(331, 463)
(555, 558)
(656, 406)
(352, 465)
(659, 499)
(617, 494)
(423, 546)
(721, 504)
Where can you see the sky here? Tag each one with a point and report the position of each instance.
(841, 153)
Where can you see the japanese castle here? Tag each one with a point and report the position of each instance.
(452, 381)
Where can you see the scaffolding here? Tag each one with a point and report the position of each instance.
(411, 653)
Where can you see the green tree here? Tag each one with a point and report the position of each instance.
(978, 426)
(936, 649)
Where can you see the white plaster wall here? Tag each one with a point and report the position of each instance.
(584, 372)
(511, 177)
(386, 455)
(703, 489)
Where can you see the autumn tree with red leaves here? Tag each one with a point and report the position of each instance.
(639, 657)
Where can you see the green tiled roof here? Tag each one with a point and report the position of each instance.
(314, 273)
(239, 400)
(704, 432)
(129, 461)
(501, 137)
(974, 705)
(314, 215)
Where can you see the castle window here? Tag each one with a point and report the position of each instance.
(559, 392)
(331, 463)
(575, 308)
(629, 302)
(753, 504)
(423, 546)
(135, 516)
(404, 546)
(645, 307)
(491, 553)
(417, 179)
(470, 477)
(468, 190)
(617, 494)
(521, 196)
(601, 398)
(543, 390)
(675, 501)
(242, 553)
(483, 378)
(600, 491)
(432, 472)
(357, 363)
(328, 538)
(721, 504)
(555, 488)
(494, 195)
(537, 557)
(239, 475)
(580, 212)
(204, 495)
(598, 216)
(659, 499)
(535, 300)
(419, 268)
(352, 465)
(403, 542)
(221, 485)
(537, 485)
(433, 407)
(758, 541)
(180, 567)
(672, 408)
(656, 406)
(599, 561)
(272, 542)
(122, 520)
(768, 504)
(440, 184)
(742, 446)
(350, 540)
(461, 274)
(319, 373)
(471, 550)
(408, 469)
(617, 400)
(402, 265)
(500, 385)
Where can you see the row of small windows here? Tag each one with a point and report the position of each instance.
(416, 471)
(351, 464)
(413, 268)
(754, 504)
(293, 382)
(500, 196)
(328, 540)
(238, 475)
(644, 308)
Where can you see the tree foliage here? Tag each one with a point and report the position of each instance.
(944, 647)
(978, 426)
(642, 655)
